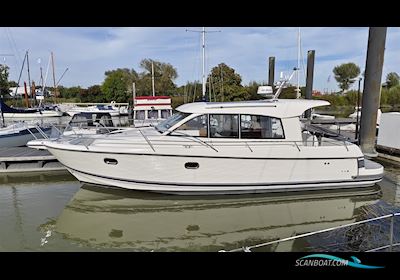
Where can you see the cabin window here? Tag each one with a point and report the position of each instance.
(165, 114)
(140, 115)
(194, 127)
(152, 114)
(260, 127)
(171, 121)
(224, 126)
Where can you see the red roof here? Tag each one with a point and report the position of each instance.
(152, 97)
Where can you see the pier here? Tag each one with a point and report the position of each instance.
(24, 159)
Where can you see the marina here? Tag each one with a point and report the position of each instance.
(137, 163)
(44, 212)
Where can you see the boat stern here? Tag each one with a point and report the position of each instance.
(369, 170)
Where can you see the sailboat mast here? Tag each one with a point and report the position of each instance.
(152, 77)
(204, 65)
(298, 63)
(29, 74)
(54, 76)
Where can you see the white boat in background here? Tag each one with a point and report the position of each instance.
(321, 116)
(18, 134)
(82, 125)
(22, 113)
(220, 148)
(93, 109)
(358, 112)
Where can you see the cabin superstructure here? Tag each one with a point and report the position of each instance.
(152, 107)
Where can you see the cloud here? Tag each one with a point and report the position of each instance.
(89, 52)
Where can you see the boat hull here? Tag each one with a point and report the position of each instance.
(214, 175)
(20, 138)
(43, 114)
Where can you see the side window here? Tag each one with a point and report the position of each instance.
(224, 126)
(165, 114)
(152, 114)
(260, 127)
(140, 115)
(195, 127)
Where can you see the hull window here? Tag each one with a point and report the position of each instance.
(191, 165)
(111, 161)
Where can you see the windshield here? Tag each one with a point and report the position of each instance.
(171, 121)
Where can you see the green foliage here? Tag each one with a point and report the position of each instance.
(392, 79)
(72, 92)
(12, 84)
(117, 84)
(177, 101)
(164, 76)
(4, 86)
(226, 85)
(345, 74)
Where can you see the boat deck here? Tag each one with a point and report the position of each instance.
(24, 159)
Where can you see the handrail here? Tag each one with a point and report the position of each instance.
(147, 140)
(236, 143)
(248, 248)
(194, 139)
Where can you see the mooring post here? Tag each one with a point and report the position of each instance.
(271, 71)
(372, 89)
(310, 78)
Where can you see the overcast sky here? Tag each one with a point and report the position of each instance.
(89, 52)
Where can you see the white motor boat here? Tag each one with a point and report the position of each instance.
(220, 148)
(93, 109)
(18, 134)
(82, 124)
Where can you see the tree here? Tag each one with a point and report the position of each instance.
(345, 74)
(224, 84)
(392, 79)
(117, 85)
(164, 76)
(4, 86)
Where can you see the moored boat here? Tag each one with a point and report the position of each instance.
(220, 148)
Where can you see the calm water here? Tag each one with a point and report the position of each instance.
(56, 213)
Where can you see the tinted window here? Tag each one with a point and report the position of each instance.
(139, 115)
(171, 121)
(152, 114)
(260, 127)
(165, 114)
(225, 126)
(195, 127)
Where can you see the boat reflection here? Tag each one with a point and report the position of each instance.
(140, 221)
(37, 177)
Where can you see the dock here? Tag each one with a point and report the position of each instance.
(24, 159)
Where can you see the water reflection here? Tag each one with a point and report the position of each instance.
(108, 218)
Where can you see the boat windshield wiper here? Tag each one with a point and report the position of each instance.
(197, 139)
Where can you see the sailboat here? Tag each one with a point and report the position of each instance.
(22, 113)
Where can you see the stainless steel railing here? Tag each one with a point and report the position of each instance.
(390, 245)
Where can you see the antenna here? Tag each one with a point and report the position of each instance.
(204, 54)
(278, 92)
(152, 77)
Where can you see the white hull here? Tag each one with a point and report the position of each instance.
(215, 174)
(18, 139)
(43, 114)
(217, 189)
